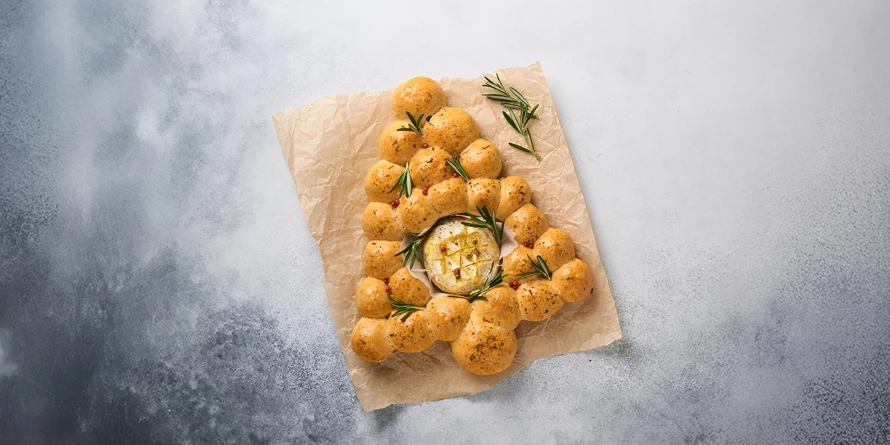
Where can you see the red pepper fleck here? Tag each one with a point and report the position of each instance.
(426, 191)
(388, 289)
(394, 203)
(457, 272)
(425, 145)
(442, 249)
(476, 251)
(386, 281)
(514, 285)
(454, 174)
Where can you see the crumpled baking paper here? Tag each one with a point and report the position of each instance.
(331, 144)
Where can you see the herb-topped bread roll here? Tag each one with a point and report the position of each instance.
(451, 129)
(499, 307)
(381, 179)
(573, 280)
(372, 298)
(370, 340)
(481, 193)
(411, 334)
(538, 299)
(527, 224)
(380, 222)
(448, 316)
(483, 348)
(418, 96)
(556, 247)
(515, 193)
(399, 146)
(407, 289)
(449, 197)
(380, 259)
(416, 212)
(481, 160)
(428, 167)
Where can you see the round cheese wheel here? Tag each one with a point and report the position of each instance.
(458, 258)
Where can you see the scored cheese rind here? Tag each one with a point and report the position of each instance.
(481, 333)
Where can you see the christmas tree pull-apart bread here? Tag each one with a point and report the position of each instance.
(455, 252)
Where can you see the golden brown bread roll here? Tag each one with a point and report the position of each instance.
(411, 335)
(538, 299)
(372, 299)
(407, 289)
(515, 193)
(398, 146)
(448, 316)
(499, 307)
(379, 260)
(483, 348)
(527, 223)
(420, 95)
(380, 179)
(483, 192)
(380, 222)
(574, 280)
(481, 160)
(428, 167)
(449, 197)
(416, 212)
(369, 340)
(516, 263)
(451, 129)
(556, 247)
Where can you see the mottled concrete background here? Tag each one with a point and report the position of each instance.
(158, 283)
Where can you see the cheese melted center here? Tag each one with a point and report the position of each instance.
(458, 258)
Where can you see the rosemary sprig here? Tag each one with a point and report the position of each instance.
(412, 253)
(414, 125)
(513, 100)
(479, 294)
(486, 220)
(412, 250)
(540, 268)
(402, 308)
(455, 164)
(403, 183)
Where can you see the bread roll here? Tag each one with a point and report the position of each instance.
(516, 263)
(379, 259)
(380, 222)
(573, 281)
(416, 212)
(556, 247)
(380, 179)
(449, 197)
(483, 192)
(499, 307)
(407, 289)
(369, 340)
(398, 146)
(372, 299)
(420, 95)
(538, 299)
(448, 316)
(428, 167)
(481, 160)
(411, 335)
(483, 348)
(451, 129)
(515, 193)
(527, 223)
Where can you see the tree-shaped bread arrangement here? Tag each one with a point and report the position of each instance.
(456, 253)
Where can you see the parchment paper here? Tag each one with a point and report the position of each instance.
(331, 144)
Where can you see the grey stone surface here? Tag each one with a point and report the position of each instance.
(158, 283)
